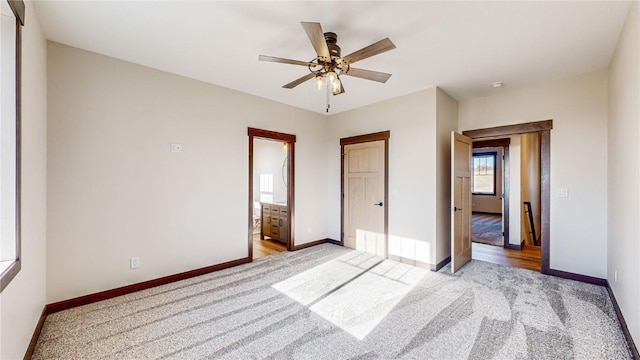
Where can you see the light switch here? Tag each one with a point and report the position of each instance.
(176, 148)
(563, 193)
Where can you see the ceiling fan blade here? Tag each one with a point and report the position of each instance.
(369, 51)
(368, 74)
(315, 34)
(299, 81)
(284, 61)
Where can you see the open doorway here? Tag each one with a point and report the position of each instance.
(271, 192)
(529, 243)
(489, 192)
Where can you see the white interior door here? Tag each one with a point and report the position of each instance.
(364, 169)
(461, 153)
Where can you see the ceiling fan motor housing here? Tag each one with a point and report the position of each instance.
(332, 38)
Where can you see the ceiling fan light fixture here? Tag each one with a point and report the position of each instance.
(332, 77)
(336, 85)
(319, 82)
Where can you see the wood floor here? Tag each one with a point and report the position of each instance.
(262, 248)
(527, 258)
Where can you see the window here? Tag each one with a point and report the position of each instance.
(11, 19)
(483, 181)
(266, 188)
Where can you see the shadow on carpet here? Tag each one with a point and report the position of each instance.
(330, 302)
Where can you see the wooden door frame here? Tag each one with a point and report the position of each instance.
(379, 136)
(504, 144)
(290, 140)
(544, 128)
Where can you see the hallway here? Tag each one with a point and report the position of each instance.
(527, 258)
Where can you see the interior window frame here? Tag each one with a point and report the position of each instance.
(18, 8)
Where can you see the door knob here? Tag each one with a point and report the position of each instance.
(379, 204)
(456, 208)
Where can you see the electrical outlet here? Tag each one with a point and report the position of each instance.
(134, 262)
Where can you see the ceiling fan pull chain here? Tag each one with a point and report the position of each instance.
(328, 97)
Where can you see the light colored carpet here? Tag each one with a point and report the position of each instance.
(486, 229)
(329, 302)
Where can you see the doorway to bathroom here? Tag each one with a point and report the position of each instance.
(271, 192)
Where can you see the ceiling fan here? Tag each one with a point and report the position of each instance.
(329, 65)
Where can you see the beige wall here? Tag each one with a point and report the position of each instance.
(419, 197)
(412, 160)
(578, 107)
(515, 190)
(446, 122)
(490, 203)
(116, 191)
(531, 189)
(22, 301)
(623, 250)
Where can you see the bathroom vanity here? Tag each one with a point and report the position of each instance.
(274, 220)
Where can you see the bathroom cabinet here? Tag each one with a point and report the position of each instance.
(274, 220)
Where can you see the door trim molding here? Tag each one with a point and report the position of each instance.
(544, 128)
(524, 128)
(291, 141)
(359, 139)
(506, 183)
(382, 135)
(492, 143)
(545, 199)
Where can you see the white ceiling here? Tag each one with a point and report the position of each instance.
(462, 47)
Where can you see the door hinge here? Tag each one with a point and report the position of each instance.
(503, 233)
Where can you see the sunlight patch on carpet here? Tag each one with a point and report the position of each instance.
(355, 291)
